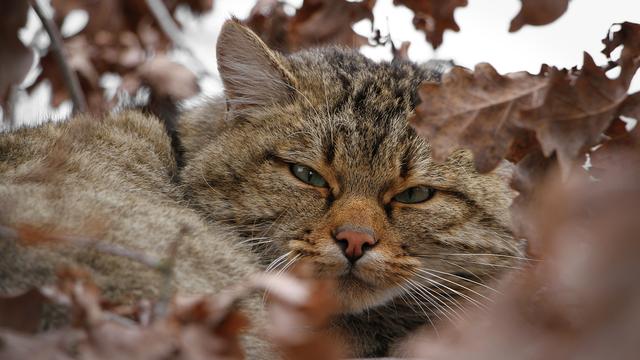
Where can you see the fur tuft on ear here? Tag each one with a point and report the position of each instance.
(252, 74)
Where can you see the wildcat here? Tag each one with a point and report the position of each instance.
(306, 157)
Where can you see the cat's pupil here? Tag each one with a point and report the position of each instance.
(416, 194)
(308, 175)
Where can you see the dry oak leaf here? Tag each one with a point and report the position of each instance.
(316, 22)
(433, 17)
(627, 36)
(329, 22)
(538, 12)
(576, 111)
(476, 110)
(22, 312)
(168, 79)
(15, 58)
(488, 113)
(268, 19)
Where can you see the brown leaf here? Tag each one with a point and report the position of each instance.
(629, 37)
(269, 20)
(15, 58)
(581, 299)
(22, 312)
(320, 22)
(494, 115)
(538, 12)
(402, 52)
(476, 110)
(316, 23)
(529, 176)
(575, 112)
(168, 79)
(118, 38)
(51, 345)
(298, 309)
(433, 17)
(631, 106)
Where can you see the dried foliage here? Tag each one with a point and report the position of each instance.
(538, 12)
(316, 23)
(121, 37)
(576, 298)
(581, 298)
(433, 17)
(495, 115)
(15, 58)
(193, 328)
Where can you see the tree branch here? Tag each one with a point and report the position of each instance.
(164, 19)
(172, 31)
(57, 47)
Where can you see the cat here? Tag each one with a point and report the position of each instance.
(307, 156)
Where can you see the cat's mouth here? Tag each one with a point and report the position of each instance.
(358, 289)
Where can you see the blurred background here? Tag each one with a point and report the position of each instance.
(483, 37)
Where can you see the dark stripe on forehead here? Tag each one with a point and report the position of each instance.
(375, 145)
(406, 163)
(329, 150)
(358, 102)
(346, 92)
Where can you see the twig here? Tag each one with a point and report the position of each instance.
(57, 47)
(172, 31)
(165, 21)
(9, 116)
(166, 268)
(84, 242)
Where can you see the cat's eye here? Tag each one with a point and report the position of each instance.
(414, 195)
(308, 175)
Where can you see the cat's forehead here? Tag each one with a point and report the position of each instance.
(346, 80)
(351, 99)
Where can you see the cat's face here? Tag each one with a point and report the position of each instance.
(320, 165)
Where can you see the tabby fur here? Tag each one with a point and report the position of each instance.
(235, 208)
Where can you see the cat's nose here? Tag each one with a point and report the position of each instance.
(354, 241)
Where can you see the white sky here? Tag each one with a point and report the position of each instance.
(484, 35)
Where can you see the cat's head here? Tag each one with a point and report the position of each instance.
(310, 157)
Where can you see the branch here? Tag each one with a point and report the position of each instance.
(172, 31)
(9, 116)
(163, 17)
(57, 47)
(166, 268)
(28, 236)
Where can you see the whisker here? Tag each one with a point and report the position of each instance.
(408, 293)
(417, 302)
(252, 239)
(451, 299)
(466, 279)
(426, 294)
(277, 261)
(472, 300)
(289, 263)
(466, 270)
(492, 254)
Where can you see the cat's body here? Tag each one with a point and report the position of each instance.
(307, 157)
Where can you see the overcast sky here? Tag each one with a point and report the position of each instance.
(484, 35)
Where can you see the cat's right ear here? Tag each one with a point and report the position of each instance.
(252, 74)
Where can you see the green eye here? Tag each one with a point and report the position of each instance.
(415, 195)
(308, 175)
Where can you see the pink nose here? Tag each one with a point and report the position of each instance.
(354, 241)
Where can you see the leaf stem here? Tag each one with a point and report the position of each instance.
(57, 47)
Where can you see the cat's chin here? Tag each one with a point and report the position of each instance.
(355, 295)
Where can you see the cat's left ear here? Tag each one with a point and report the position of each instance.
(252, 74)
